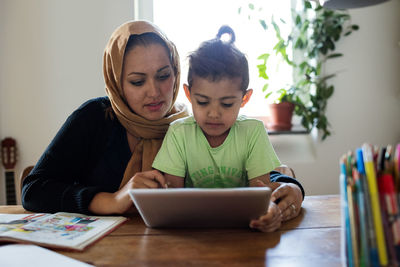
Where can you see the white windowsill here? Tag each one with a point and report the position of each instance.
(294, 146)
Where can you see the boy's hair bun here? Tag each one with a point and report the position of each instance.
(217, 59)
(225, 29)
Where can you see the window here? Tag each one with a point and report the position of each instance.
(189, 22)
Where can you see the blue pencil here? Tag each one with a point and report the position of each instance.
(345, 214)
(374, 258)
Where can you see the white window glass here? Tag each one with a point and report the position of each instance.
(189, 22)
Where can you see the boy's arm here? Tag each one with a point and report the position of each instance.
(262, 180)
(173, 181)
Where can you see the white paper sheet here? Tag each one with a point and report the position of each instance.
(31, 255)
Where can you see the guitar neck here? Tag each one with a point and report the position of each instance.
(10, 188)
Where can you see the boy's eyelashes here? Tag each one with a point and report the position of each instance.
(205, 103)
(202, 103)
(227, 105)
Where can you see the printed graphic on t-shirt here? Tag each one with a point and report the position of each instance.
(223, 176)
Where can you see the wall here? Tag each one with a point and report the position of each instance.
(51, 62)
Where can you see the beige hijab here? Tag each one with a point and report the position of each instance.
(150, 133)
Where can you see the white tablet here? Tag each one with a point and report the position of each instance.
(195, 207)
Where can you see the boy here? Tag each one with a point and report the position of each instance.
(215, 147)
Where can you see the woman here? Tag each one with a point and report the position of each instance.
(108, 144)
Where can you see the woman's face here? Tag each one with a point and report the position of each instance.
(148, 81)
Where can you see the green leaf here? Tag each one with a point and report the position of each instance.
(282, 91)
(264, 56)
(304, 27)
(265, 87)
(329, 44)
(298, 44)
(263, 24)
(282, 94)
(343, 16)
(268, 95)
(307, 4)
(334, 55)
(251, 6)
(355, 27)
(276, 27)
(329, 91)
(327, 77)
(262, 71)
(298, 20)
(303, 65)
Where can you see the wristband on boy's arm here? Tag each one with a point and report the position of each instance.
(279, 177)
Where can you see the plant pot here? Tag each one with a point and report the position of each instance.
(281, 116)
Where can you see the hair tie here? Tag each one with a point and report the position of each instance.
(225, 29)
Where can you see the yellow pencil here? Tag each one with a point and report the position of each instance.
(376, 210)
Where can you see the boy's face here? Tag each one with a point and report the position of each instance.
(216, 104)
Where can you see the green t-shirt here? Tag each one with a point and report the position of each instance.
(245, 154)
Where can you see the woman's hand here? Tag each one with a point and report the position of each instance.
(120, 201)
(148, 179)
(289, 199)
(270, 221)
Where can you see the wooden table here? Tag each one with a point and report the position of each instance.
(311, 239)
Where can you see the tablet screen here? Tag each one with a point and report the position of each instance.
(199, 207)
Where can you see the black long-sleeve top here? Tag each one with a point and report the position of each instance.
(88, 155)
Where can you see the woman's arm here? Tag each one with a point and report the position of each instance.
(286, 198)
(288, 192)
(60, 180)
(120, 202)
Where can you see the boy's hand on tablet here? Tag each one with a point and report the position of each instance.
(273, 219)
(270, 221)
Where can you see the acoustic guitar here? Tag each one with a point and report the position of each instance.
(9, 159)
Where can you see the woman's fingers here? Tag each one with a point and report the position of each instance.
(149, 179)
(278, 191)
(290, 212)
(290, 199)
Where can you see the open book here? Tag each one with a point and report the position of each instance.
(60, 230)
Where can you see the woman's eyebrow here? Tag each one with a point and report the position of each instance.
(163, 68)
(141, 73)
(136, 73)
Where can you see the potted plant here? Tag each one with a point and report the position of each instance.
(312, 39)
(285, 99)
